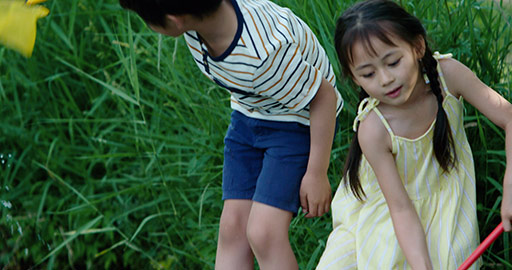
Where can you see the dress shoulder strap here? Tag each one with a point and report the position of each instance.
(365, 107)
(384, 122)
(438, 56)
(390, 131)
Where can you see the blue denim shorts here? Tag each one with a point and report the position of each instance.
(265, 161)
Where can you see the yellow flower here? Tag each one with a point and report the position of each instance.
(18, 21)
(34, 2)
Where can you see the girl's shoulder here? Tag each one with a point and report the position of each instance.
(455, 74)
(373, 132)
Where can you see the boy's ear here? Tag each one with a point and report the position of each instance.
(176, 20)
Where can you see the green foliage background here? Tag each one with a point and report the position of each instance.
(111, 140)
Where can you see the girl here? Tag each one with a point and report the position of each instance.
(407, 199)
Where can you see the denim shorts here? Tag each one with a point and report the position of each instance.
(264, 161)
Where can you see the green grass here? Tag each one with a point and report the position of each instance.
(111, 140)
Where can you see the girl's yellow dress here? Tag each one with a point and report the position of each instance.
(363, 235)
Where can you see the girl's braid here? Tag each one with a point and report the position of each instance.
(444, 149)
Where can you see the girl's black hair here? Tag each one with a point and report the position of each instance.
(154, 11)
(384, 19)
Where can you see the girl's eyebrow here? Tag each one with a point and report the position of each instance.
(389, 54)
(383, 58)
(363, 66)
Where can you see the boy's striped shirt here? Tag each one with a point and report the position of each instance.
(274, 65)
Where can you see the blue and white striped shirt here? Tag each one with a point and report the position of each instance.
(274, 65)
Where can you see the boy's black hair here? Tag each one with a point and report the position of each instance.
(384, 19)
(154, 11)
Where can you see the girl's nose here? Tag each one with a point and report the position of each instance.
(385, 77)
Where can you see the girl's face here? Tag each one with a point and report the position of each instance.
(392, 74)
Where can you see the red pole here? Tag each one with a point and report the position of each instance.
(482, 247)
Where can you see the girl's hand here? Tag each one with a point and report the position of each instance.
(506, 203)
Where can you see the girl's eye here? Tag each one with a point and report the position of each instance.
(395, 63)
(367, 75)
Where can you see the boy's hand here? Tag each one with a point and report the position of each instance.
(315, 194)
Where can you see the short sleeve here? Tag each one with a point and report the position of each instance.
(287, 78)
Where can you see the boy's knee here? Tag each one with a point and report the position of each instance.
(232, 227)
(257, 236)
(261, 236)
(267, 228)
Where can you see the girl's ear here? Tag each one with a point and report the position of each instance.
(420, 47)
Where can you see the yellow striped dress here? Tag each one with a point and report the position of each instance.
(363, 235)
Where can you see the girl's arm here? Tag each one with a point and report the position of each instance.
(376, 146)
(462, 82)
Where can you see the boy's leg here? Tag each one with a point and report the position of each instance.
(267, 231)
(276, 197)
(242, 165)
(233, 250)
(264, 161)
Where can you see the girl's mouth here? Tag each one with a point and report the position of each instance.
(394, 93)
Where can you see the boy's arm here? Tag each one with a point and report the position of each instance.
(463, 82)
(315, 190)
(376, 146)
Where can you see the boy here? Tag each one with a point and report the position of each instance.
(284, 102)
